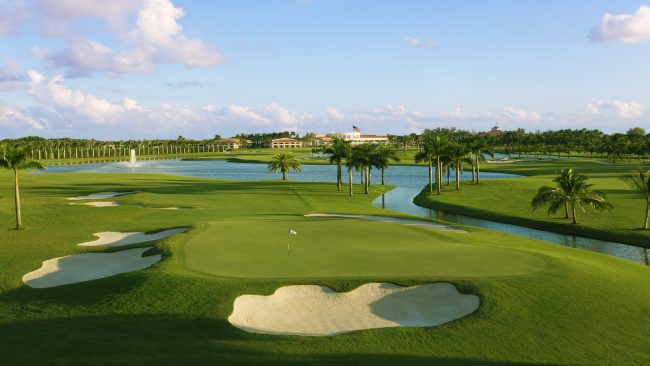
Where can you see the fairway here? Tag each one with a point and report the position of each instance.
(334, 247)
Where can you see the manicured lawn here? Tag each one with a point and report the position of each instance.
(540, 303)
(508, 200)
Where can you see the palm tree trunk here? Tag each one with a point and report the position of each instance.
(478, 171)
(382, 176)
(367, 185)
(647, 215)
(438, 174)
(573, 213)
(448, 174)
(430, 176)
(339, 178)
(284, 175)
(350, 180)
(19, 221)
(566, 210)
(457, 178)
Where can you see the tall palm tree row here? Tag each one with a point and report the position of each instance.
(338, 150)
(434, 149)
(284, 163)
(639, 181)
(458, 155)
(479, 148)
(16, 158)
(572, 191)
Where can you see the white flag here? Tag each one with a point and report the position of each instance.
(292, 232)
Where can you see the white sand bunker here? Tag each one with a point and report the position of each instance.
(98, 204)
(99, 195)
(394, 220)
(85, 267)
(116, 238)
(320, 311)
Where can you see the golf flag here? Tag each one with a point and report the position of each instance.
(292, 232)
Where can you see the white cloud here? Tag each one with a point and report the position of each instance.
(625, 28)
(15, 119)
(513, 114)
(615, 108)
(418, 42)
(155, 37)
(334, 113)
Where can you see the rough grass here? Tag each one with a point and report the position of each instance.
(578, 308)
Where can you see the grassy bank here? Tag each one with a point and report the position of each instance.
(508, 201)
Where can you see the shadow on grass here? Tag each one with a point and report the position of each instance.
(167, 340)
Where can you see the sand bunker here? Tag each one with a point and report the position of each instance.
(320, 311)
(98, 204)
(116, 238)
(393, 220)
(99, 195)
(85, 267)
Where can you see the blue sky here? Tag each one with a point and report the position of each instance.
(163, 68)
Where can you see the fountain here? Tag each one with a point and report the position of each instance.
(132, 160)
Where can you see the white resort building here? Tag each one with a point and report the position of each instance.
(284, 143)
(355, 137)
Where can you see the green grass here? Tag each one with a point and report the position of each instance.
(508, 200)
(541, 303)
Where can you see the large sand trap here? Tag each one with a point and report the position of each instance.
(116, 238)
(394, 220)
(99, 195)
(320, 311)
(98, 204)
(85, 267)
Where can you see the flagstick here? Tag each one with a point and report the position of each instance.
(288, 245)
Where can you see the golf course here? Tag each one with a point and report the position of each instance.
(538, 303)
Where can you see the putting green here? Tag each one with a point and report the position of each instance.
(336, 247)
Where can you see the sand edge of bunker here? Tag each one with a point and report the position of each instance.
(89, 266)
(313, 310)
(119, 238)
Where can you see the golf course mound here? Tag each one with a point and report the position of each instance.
(332, 247)
(99, 195)
(98, 204)
(117, 239)
(320, 311)
(91, 266)
(394, 220)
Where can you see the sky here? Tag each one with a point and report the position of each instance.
(144, 69)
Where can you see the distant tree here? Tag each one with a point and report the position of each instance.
(284, 163)
(15, 158)
(639, 180)
(571, 190)
(434, 148)
(479, 149)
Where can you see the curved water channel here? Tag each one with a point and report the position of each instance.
(408, 180)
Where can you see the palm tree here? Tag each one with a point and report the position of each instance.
(284, 162)
(639, 180)
(15, 158)
(479, 149)
(362, 156)
(572, 190)
(434, 148)
(380, 158)
(458, 155)
(353, 161)
(338, 150)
